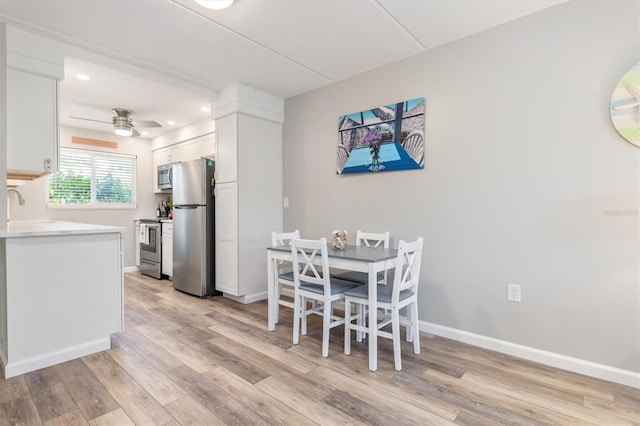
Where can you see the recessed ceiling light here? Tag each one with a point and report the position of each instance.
(171, 122)
(83, 77)
(144, 133)
(206, 108)
(215, 4)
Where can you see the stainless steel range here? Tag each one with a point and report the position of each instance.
(151, 248)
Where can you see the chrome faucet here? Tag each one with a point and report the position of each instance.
(21, 199)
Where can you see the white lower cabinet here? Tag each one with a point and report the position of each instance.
(167, 248)
(137, 240)
(226, 238)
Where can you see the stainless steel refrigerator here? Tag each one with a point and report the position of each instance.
(193, 227)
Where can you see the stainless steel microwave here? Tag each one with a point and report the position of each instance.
(165, 176)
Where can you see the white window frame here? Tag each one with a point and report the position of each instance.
(94, 205)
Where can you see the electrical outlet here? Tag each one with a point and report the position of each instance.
(514, 292)
(286, 203)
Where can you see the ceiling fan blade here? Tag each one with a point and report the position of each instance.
(149, 123)
(134, 133)
(90, 119)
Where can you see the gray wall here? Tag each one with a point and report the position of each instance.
(523, 176)
(36, 191)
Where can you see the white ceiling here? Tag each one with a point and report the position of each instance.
(164, 59)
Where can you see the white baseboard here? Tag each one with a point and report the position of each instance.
(246, 299)
(552, 359)
(130, 269)
(13, 369)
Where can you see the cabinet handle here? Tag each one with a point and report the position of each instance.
(47, 164)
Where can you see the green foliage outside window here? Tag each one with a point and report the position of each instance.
(113, 190)
(69, 188)
(91, 178)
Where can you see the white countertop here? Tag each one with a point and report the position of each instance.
(33, 228)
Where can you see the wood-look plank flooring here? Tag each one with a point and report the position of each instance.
(187, 361)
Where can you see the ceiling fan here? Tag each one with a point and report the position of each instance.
(123, 122)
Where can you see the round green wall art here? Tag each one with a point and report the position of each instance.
(625, 106)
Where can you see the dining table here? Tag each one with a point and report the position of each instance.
(370, 260)
(392, 155)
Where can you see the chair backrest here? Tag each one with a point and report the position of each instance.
(407, 276)
(414, 145)
(306, 255)
(372, 239)
(341, 158)
(281, 239)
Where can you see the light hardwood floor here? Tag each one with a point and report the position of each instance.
(187, 361)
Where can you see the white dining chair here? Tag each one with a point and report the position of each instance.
(313, 281)
(341, 158)
(414, 145)
(403, 292)
(284, 269)
(368, 239)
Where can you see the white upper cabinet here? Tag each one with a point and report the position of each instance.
(186, 151)
(193, 149)
(227, 149)
(32, 110)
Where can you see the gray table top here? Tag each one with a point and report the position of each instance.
(361, 253)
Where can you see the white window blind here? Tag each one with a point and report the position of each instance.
(93, 179)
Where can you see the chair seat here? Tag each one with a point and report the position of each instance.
(337, 287)
(286, 276)
(357, 277)
(384, 293)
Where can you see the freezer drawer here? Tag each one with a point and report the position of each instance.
(192, 268)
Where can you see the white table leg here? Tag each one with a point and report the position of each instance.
(271, 292)
(373, 319)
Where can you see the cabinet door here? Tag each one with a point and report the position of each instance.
(137, 239)
(167, 249)
(227, 149)
(186, 151)
(32, 122)
(226, 238)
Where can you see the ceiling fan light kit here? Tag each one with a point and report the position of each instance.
(215, 4)
(122, 128)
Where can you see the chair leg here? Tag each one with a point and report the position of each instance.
(395, 331)
(326, 322)
(360, 321)
(409, 331)
(303, 301)
(347, 327)
(296, 318)
(278, 290)
(416, 327)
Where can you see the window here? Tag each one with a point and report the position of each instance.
(93, 179)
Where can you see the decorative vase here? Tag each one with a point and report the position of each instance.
(375, 165)
(339, 239)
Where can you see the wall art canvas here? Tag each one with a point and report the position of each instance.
(382, 139)
(624, 107)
